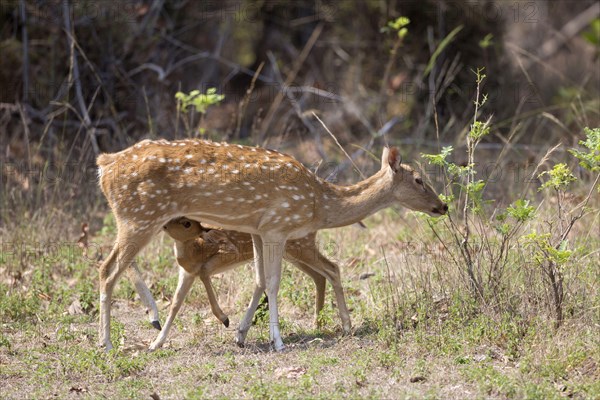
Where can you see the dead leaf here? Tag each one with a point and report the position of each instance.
(75, 308)
(77, 389)
(353, 262)
(415, 320)
(290, 372)
(83, 238)
(44, 296)
(366, 275)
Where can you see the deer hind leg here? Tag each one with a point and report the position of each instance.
(141, 288)
(259, 288)
(183, 287)
(320, 282)
(322, 265)
(129, 243)
(335, 278)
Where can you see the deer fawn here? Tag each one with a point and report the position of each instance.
(205, 252)
(262, 192)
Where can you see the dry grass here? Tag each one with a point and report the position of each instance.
(416, 331)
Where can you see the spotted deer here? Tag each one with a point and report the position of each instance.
(203, 252)
(253, 190)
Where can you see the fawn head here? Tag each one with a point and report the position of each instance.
(410, 189)
(183, 229)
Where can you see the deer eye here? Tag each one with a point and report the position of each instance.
(187, 224)
(419, 181)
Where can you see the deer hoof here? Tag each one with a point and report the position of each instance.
(156, 325)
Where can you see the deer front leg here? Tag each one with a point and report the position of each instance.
(272, 255)
(183, 287)
(122, 256)
(147, 299)
(259, 288)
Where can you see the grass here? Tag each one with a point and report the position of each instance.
(414, 336)
(420, 331)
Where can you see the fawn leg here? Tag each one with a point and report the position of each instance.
(259, 288)
(183, 287)
(212, 300)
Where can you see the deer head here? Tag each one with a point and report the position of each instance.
(410, 190)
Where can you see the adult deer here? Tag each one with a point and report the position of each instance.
(203, 252)
(262, 192)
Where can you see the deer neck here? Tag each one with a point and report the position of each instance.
(181, 248)
(345, 205)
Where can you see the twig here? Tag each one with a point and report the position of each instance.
(76, 79)
(149, 116)
(576, 218)
(568, 31)
(290, 78)
(339, 145)
(537, 167)
(25, 41)
(295, 104)
(244, 103)
(388, 70)
(25, 133)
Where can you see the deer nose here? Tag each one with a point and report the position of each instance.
(441, 210)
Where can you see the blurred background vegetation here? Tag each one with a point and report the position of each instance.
(82, 77)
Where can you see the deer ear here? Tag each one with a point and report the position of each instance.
(391, 157)
(384, 157)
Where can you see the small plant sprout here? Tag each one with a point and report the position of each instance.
(479, 244)
(589, 159)
(559, 177)
(551, 249)
(198, 100)
(200, 103)
(487, 41)
(398, 25)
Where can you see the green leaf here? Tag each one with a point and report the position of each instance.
(592, 34)
(399, 23)
(444, 43)
(438, 159)
(590, 158)
(198, 100)
(478, 130)
(486, 41)
(560, 177)
(521, 210)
